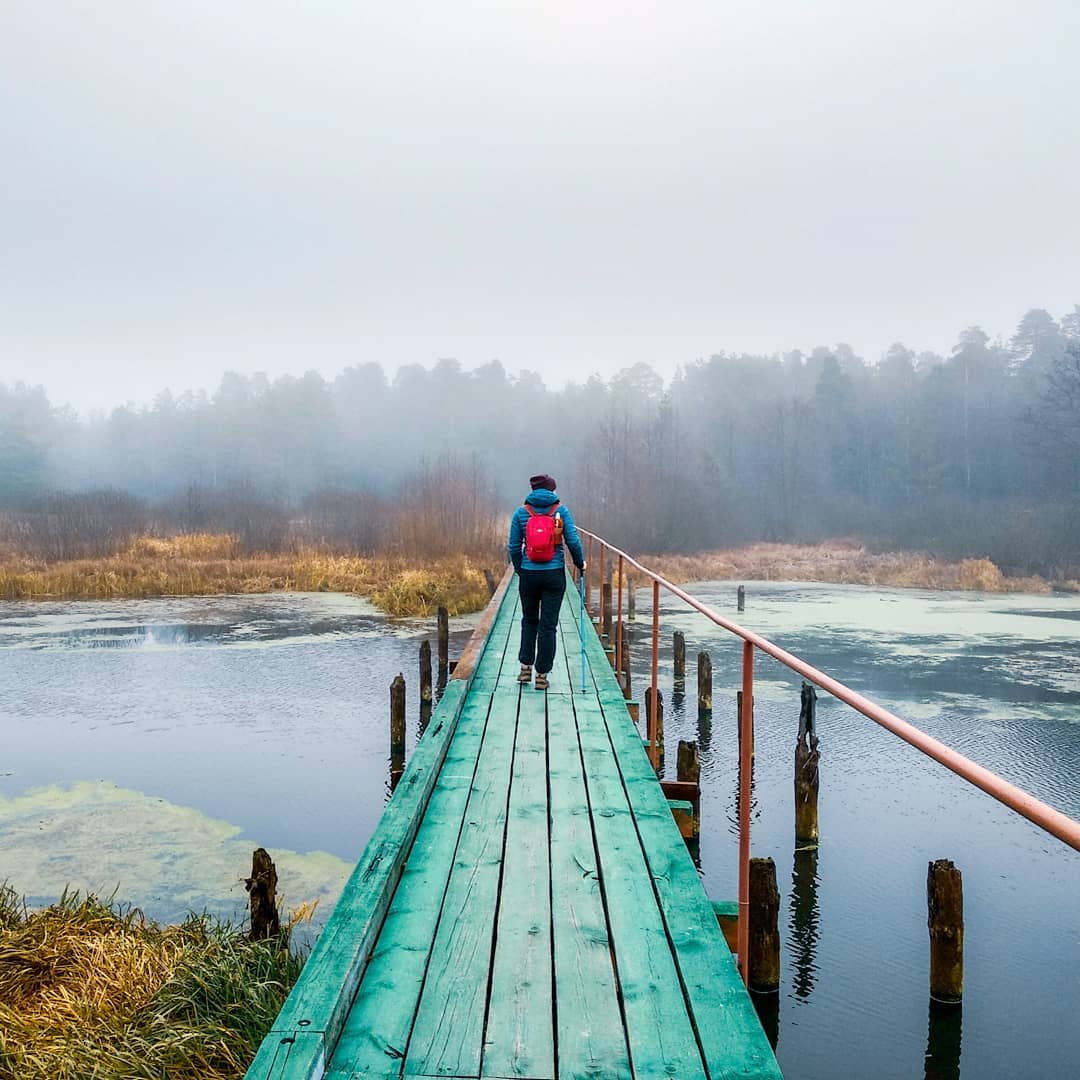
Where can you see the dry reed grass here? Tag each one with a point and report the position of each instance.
(88, 990)
(841, 562)
(208, 564)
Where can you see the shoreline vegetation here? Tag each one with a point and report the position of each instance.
(88, 988)
(207, 564)
(204, 564)
(848, 562)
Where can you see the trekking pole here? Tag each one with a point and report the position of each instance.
(581, 625)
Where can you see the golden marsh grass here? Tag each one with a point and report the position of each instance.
(87, 990)
(207, 564)
(841, 563)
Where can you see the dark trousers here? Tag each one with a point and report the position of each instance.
(541, 593)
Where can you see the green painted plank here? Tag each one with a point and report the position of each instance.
(661, 1036)
(589, 1023)
(733, 1044)
(519, 1036)
(378, 1026)
(448, 1032)
(732, 1040)
(376, 1032)
(315, 1011)
(321, 997)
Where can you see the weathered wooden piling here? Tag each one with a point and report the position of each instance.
(397, 729)
(764, 955)
(688, 770)
(444, 643)
(425, 672)
(741, 598)
(807, 775)
(945, 920)
(631, 604)
(492, 584)
(704, 683)
(606, 621)
(679, 654)
(262, 890)
(654, 724)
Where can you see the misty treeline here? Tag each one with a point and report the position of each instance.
(973, 453)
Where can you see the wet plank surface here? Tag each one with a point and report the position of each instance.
(540, 916)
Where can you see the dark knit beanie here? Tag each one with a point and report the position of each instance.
(542, 481)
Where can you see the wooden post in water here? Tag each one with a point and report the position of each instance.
(605, 610)
(262, 888)
(679, 649)
(704, 683)
(807, 776)
(397, 729)
(945, 919)
(741, 598)
(626, 667)
(688, 771)
(631, 604)
(764, 956)
(425, 685)
(444, 644)
(654, 726)
(425, 672)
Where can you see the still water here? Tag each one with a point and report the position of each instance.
(149, 745)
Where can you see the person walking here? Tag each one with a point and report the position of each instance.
(539, 529)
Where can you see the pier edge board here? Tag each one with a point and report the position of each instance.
(314, 1012)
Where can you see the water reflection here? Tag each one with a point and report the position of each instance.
(678, 692)
(767, 1007)
(943, 1033)
(704, 733)
(805, 920)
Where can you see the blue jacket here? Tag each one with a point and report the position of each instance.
(541, 499)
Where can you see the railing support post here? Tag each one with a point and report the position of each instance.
(654, 749)
(588, 579)
(600, 591)
(618, 628)
(746, 728)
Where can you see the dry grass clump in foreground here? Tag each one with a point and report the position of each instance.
(207, 564)
(87, 990)
(840, 563)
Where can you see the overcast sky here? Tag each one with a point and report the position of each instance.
(190, 186)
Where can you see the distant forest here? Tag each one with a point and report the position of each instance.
(972, 454)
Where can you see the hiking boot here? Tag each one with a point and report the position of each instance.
(525, 675)
(541, 681)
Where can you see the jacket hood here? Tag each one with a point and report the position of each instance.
(541, 498)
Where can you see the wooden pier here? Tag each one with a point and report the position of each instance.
(526, 906)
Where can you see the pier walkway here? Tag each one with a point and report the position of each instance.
(526, 906)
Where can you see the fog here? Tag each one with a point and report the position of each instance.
(973, 453)
(569, 188)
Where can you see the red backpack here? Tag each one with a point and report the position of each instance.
(543, 533)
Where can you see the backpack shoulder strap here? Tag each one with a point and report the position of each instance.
(549, 512)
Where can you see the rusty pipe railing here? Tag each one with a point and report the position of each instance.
(1039, 813)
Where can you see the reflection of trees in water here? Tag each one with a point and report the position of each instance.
(805, 920)
(943, 1036)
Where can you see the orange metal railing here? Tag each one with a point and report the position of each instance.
(1036, 811)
